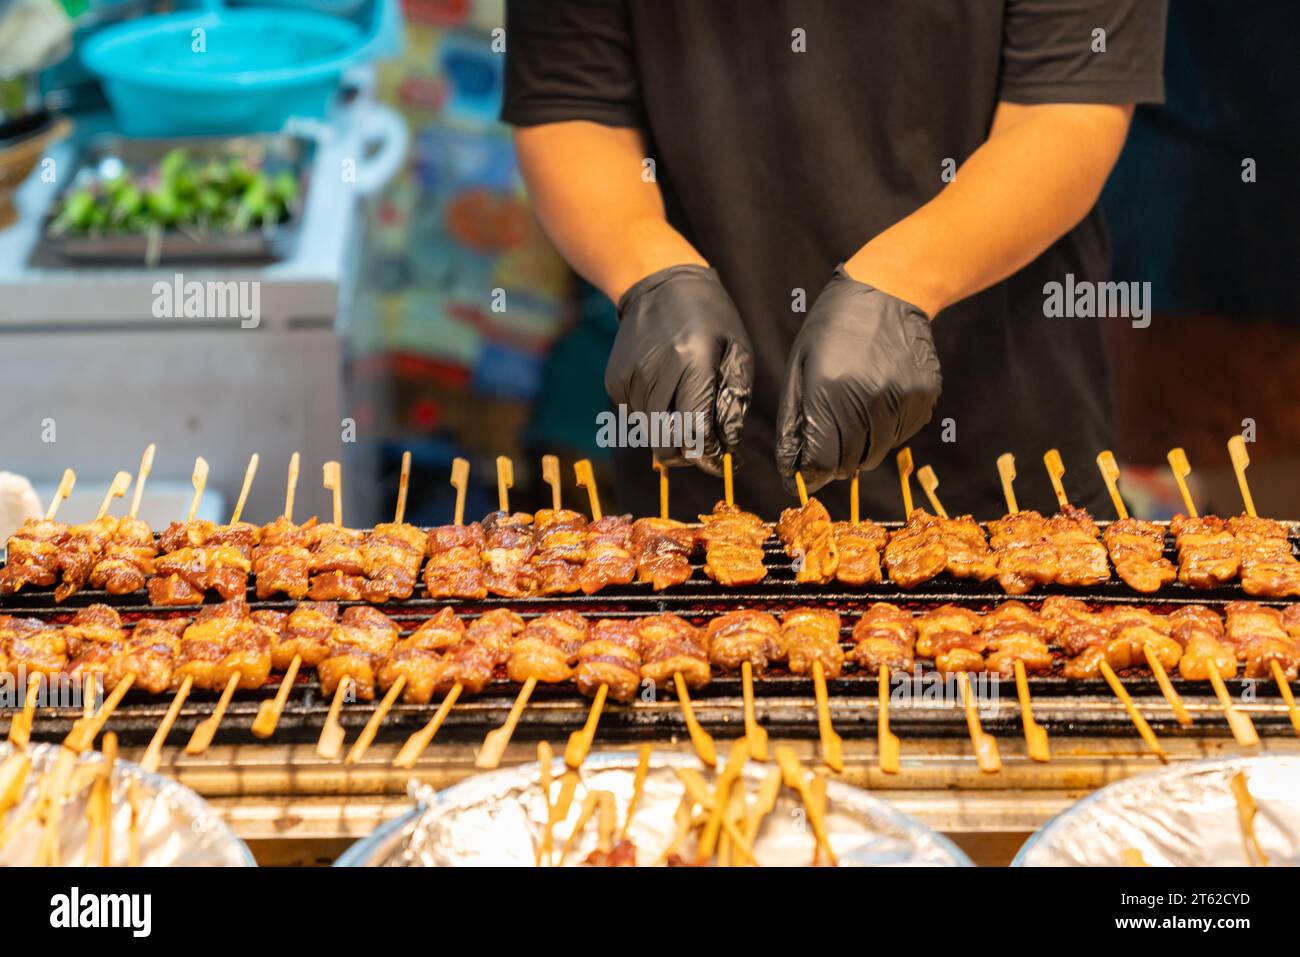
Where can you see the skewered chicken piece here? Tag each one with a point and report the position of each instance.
(507, 553)
(547, 649)
(93, 638)
(1258, 636)
(745, 636)
(1119, 637)
(733, 542)
(1136, 550)
(434, 658)
(222, 642)
(1200, 631)
(610, 657)
(1208, 554)
(79, 553)
(860, 545)
(33, 553)
(32, 646)
(391, 556)
(1268, 568)
(497, 631)
(455, 566)
(560, 537)
(609, 554)
(150, 653)
(185, 575)
(338, 568)
(884, 635)
(1080, 555)
(1012, 632)
(127, 559)
(359, 643)
(672, 645)
(282, 560)
(1139, 630)
(928, 545)
(950, 636)
(1023, 551)
(663, 549)
(809, 539)
(812, 635)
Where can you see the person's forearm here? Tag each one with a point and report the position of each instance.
(1040, 171)
(586, 185)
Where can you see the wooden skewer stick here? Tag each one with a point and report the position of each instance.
(1007, 475)
(606, 822)
(1285, 687)
(832, 743)
(792, 772)
(663, 487)
(206, 730)
(575, 752)
(367, 735)
(697, 792)
(1056, 472)
(421, 739)
(20, 728)
(589, 806)
(1109, 469)
(551, 476)
(249, 473)
(545, 758)
(153, 753)
(1167, 688)
(586, 479)
(905, 479)
(854, 514)
(62, 492)
(133, 834)
(986, 746)
(494, 745)
(754, 732)
(1139, 722)
(768, 793)
(801, 487)
(106, 797)
(116, 489)
(638, 785)
(817, 788)
(269, 711)
(1179, 465)
(505, 481)
(200, 480)
(728, 484)
(1246, 811)
(1239, 723)
(330, 743)
(460, 481)
(929, 484)
(89, 688)
(146, 466)
(887, 743)
(1240, 462)
(291, 486)
(701, 740)
(332, 480)
(731, 771)
(403, 485)
(1035, 734)
(559, 812)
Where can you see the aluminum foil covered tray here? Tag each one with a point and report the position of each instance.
(177, 828)
(1182, 816)
(497, 820)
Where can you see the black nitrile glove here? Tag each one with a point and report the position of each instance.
(862, 378)
(681, 347)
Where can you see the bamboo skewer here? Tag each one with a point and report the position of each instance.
(551, 476)
(61, 493)
(1285, 687)
(1055, 472)
(268, 712)
(792, 772)
(1139, 722)
(545, 758)
(701, 740)
(832, 745)
(817, 790)
(505, 481)
(199, 480)
(768, 793)
(737, 757)
(1243, 729)
(1109, 469)
(1178, 464)
(887, 743)
(116, 489)
(929, 484)
(494, 745)
(575, 752)
(146, 466)
(332, 735)
(1007, 475)
(1240, 462)
(697, 792)
(416, 744)
(638, 784)
(663, 487)
(1246, 811)
(1035, 734)
(754, 731)
(367, 735)
(332, 480)
(904, 460)
(153, 754)
(728, 482)
(586, 479)
(20, 728)
(589, 807)
(986, 746)
(244, 489)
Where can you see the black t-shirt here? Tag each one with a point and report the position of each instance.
(787, 133)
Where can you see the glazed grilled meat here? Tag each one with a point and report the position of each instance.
(127, 558)
(671, 645)
(611, 657)
(609, 554)
(33, 553)
(391, 556)
(282, 560)
(1023, 549)
(1258, 635)
(733, 545)
(884, 635)
(1080, 555)
(1200, 632)
(547, 648)
(740, 636)
(1208, 554)
(560, 537)
(224, 640)
(811, 635)
(359, 643)
(809, 539)
(860, 546)
(1136, 550)
(1012, 632)
(1268, 567)
(455, 565)
(916, 552)
(951, 637)
(150, 653)
(507, 553)
(32, 646)
(663, 550)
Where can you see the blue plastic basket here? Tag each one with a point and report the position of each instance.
(256, 69)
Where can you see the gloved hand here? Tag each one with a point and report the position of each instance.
(681, 347)
(862, 377)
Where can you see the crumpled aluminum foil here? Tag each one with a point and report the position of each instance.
(497, 820)
(177, 828)
(1181, 816)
